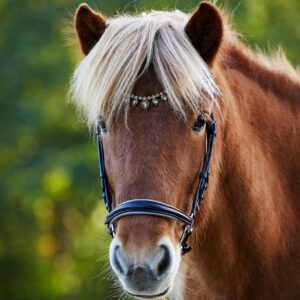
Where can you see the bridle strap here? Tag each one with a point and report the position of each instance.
(211, 132)
(103, 177)
(146, 207)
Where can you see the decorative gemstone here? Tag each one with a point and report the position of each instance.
(146, 100)
(145, 104)
(155, 101)
(164, 97)
(135, 101)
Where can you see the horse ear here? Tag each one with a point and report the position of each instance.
(89, 26)
(205, 31)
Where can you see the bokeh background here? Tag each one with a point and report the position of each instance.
(53, 243)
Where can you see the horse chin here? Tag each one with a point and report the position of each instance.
(155, 292)
(148, 295)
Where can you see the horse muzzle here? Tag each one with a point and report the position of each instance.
(145, 273)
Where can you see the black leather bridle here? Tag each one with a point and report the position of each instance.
(153, 207)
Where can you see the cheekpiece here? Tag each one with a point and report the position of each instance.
(146, 101)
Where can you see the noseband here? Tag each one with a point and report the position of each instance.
(152, 207)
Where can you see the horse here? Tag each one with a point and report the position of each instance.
(159, 80)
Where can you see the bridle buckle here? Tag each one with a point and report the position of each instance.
(111, 229)
(185, 247)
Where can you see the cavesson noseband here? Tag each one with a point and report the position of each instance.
(153, 207)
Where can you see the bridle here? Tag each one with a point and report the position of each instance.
(153, 207)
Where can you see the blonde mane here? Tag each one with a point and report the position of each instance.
(123, 54)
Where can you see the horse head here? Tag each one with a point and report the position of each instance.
(149, 78)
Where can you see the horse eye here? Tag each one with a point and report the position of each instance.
(102, 125)
(199, 123)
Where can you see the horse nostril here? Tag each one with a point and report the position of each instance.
(165, 261)
(118, 260)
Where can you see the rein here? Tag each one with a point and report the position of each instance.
(152, 207)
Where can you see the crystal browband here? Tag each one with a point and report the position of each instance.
(145, 101)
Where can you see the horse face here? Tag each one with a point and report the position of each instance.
(158, 158)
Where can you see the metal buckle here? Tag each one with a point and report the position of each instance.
(185, 247)
(111, 229)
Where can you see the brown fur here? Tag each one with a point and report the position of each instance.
(246, 239)
(249, 246)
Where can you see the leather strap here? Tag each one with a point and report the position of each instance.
(102, 174)
(146, 207)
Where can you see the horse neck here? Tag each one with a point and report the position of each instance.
(249, 214)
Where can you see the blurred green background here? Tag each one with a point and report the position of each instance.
(53, 242)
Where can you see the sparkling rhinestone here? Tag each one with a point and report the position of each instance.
(132, 96)
(145, 104)
(141, 98)
(157, 95)
(164, 97)
(136, 97)
(149, 97)
(144, 98)
(135, 102)
(153, 96)
(155, 101)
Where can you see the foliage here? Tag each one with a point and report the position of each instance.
(53, 242)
